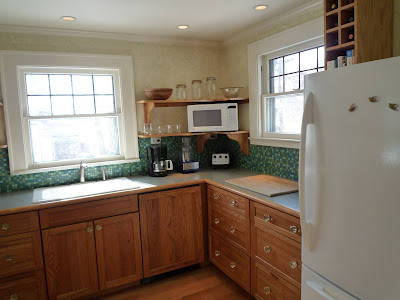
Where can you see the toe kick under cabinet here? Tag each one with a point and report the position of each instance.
(257, 246)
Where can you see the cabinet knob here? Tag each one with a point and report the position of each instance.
(89, 229)
(14, 297)
(217, 253)
(233, 203)
(216, 196)
(267, 290)
(216, 221)
(294, 229)
(233, 229)
(267, 249)
(267, 218)
(233, 265)
(5, 226)
(293, 264)
(9, 257)
(99, 227)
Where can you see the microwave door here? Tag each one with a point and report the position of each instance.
(207, 120)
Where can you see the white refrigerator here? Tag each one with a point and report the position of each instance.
(349, 180)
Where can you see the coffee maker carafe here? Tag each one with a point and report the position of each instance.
(159, 164)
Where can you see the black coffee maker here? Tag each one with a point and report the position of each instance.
(159, 164)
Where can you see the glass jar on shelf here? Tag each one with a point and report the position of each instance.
(181, 93)
(196, 90)
(211, 88)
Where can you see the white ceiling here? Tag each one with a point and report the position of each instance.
(209, 20)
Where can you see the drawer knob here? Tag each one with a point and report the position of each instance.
(5, 226)
(267, 249)
(216, 221)
(217, 253)
(9, 257)
(294, 229)
(267, 218)
(233, 265)
(233, 229)
(99, 227)
(233, 203)
(293, 264)
(267, 290)
(14, 297)
(89, 229)
(216, 196)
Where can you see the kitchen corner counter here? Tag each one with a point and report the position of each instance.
(15, 202)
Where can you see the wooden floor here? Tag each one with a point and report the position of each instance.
(201, 283)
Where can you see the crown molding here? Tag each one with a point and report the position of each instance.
(109, 36)
(286, 16)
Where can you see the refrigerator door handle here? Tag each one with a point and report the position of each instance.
(326, 293)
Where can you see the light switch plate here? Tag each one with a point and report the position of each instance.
(156, 141)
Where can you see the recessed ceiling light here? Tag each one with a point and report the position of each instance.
(260, 7)
(68, 18)
(183, 27)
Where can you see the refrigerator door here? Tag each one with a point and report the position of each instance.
(314, 287)
(350, 178)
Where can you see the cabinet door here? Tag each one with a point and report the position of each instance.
(119, 253)
(70, 260)
(171, 230)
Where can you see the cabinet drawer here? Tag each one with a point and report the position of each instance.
(83, 212)
(20, 253)
(276, 220)
(266, 285)
(19, 223)
(31, 286)
(229, 200)
(231, 261)
(276, 250)
(231, 226)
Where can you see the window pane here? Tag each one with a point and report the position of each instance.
(74, 138)
(321, 69)
(302, 74)
(291, 82)
(82, 84)
(39, 106)
(37, 84)
(104, 104)
(60, 84)
(292, 63)
(84, 105)
(308, 59)
(321, 57)
(276, 67)
(103, 84)
(276, 84)
(62, 105)
(285, 114)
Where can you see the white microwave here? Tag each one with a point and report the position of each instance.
(213, 117)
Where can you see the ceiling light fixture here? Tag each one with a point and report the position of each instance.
(260, 7)
(68, 18)
(183, 27)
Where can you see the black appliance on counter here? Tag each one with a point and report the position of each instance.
(159, 164)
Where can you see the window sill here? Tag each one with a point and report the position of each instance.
(75, 166)
(276, 142)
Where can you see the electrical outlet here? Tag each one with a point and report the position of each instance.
(156, 141)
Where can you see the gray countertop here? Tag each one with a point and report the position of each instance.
(22, 201)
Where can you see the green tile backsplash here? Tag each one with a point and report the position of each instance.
(280, 162)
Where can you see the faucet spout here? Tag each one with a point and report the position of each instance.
(82, 168)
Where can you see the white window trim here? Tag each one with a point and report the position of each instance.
(14, 63)
(299, 37)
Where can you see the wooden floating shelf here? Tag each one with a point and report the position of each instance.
(242, 137)
(3, 146)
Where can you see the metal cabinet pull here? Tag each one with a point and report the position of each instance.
(233, 203)
(267, 218)
(233, 229)
(99, 227)
(267, 290)
(233, 265)
(14, 297)
(5, 226)
(9, 257)
(217, 253)
(293, 229)
(293, 264)
(89, 229)
(267, 249)
(216, 196)
(216, 221)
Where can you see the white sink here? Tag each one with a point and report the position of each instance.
(78, 190)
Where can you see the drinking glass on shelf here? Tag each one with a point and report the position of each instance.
(177, 128)
(147, 129)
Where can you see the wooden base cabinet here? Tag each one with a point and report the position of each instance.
(171, 229)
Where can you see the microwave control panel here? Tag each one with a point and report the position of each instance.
(233, 117)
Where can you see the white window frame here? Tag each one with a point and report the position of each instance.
(302, 37)
(15, 64)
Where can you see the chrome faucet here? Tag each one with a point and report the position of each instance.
(103, 173)
(82, 168)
